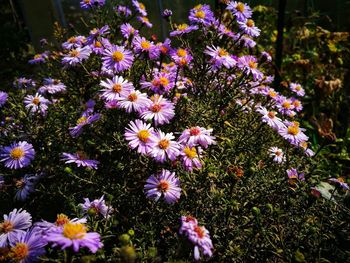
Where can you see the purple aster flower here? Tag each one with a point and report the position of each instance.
(140, 136)
(296, 87)
(190, 158)
(240, 10)
(161, 111)
(36, 103)
(167, 13)
(164, 147)
(61, 220)
(266, 56)
(39, 58)
(123, 10)
(28, 247)
(219, 57)
(87, 4)
(270, 118)
(294, 176)
(197, 136)
(165, 46)
(3, 98)
(25, 186)
(74, 42)
(117, 58)
(74, 235)
(52, 86)
(115, 88)
(142, 45)
(293, 133)
(128, 31)
(285, 106)
(112, 104)
(24, 83)
(304, 146)
(224, 31)
(85, 119)
(341, 182)
(134, 101)
(79, 159)
(76, 56)
(250, 66)
(96, 33)
(201, 14)
(249, 28)
(95, 207)
(145, 21)
(247, 42)
(181, 56)
(187, 222)
(165, 184)
(17, 155)
(140, 7)
(14, 225)
(183, 29)
(161, 83)
(97, 46)
(277, 154)
(297, 104)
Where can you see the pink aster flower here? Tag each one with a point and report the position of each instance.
(190, 158)
(250, 66)
(197, 136)
(183, 29)
(76, 56)
(164, 147)
(74, 235)
(296, 87)
(160, 110)
(97, 206)
(115, 88)
(13, 226)
(249, 28)
(270, 118)
(164, 184)
(219, 57)
(140, 136)
(128, 31)
(277, 154)
(36, 103)
(240, 10)
(134, 101)
(79, 159)
(117, 58)
(17, 155)
(293, 133)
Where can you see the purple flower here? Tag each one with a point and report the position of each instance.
(123, 10)
(24, 83)
(36, 103)
(61, 220)
(250, 66)
(28, 247)
(95, 207)
(39, 58)
(167, 13)
(96, 33)
(74, 42)
(249, 28)
(294, 176)
(219, 57)
(117, 58)
(190, 158)
(201, 14)
(140, 7)
(76, 56)
(86, 118)
(13, 226)
(115, 88)
(285, 106)
(266, 56)
(292, 133)
(74, 235)
(270, 118)
(145, 21)
(3, 98)
(139, 135)
(128, 31)
(162, 82)
(165, 184)
(87, 4)
(296, 87)
(164, 147)
(52, 86)
(277, 154)
(183, 29)
(143, 46)
(161, 111)
(17, 155)
(181, 56)
(25, 186)
(134, 101)
(240, 10)
(341, 182)
(197, 136)
(79, 159)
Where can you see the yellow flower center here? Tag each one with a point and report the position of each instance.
(145, 19)
(74, 230)
(197, 7)
(19, 252)
(341, 179)
(117, 88)
(250, 23)
(190, 152)
(286, 105)
(182, 27)
(87, 1)
(298, 88)
(222, 52)
(240, 7)
(181, 52)
(81, 119)
(72, 40)
(36, 101)
(156, 108)
(293, 130)
(98, 44)
(74, 53)
(163, 144)
(17, 153)
(272, 93)
(200, 14)
(61, 220)
(183, 62)
(117, 56)
(145, 44)
(303, 145)
(296, 103)
(271, 114)
(200, 231)
(142, 6)
(163, 186)
(195, 131)
(143, 135)
(252, 64)
(132, 97)
(20, 183)
(37, 56)
(6, 226)
(163, 81)
(278, 153)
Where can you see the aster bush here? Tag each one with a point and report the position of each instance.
(130, 149)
